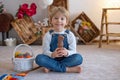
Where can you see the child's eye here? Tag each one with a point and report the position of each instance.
(55, 18)
(62, 18)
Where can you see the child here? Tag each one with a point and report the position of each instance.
(57, 59)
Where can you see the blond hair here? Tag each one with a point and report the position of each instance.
(54, 10)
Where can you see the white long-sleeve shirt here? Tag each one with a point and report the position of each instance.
(47, 40)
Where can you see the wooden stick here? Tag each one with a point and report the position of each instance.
(26, 72)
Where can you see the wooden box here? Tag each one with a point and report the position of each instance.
(26, 29)
(84, 28)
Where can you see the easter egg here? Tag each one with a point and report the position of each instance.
(27, 55)
(20, 56)
(17, 53)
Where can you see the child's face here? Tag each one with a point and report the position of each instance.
(59, 21)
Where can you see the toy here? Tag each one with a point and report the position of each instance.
(77, 24)
(17, 76)
(11, 77)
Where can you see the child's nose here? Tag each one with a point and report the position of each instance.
(59, 20)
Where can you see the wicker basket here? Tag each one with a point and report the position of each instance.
(23, 64)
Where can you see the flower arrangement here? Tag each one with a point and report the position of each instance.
(26, 10)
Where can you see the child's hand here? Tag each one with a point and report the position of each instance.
(62, 52)
(56, 54)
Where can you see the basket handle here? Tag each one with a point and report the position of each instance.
(22, 45)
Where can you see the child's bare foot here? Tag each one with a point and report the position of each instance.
(76, 69)
(45, 70)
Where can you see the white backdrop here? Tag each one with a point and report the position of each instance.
(93, 8)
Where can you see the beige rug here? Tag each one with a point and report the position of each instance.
(99, 64)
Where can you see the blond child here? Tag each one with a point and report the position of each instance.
(53, 57)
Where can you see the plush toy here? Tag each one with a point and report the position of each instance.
(77, 24)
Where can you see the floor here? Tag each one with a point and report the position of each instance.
(99, 63)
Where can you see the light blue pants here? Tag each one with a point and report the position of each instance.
(58, 64)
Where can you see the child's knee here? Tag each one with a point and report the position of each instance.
(79, 58)
(39, 58)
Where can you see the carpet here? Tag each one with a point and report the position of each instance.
(98, 64)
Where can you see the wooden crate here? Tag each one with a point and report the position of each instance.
(26, 29)
(87, 30)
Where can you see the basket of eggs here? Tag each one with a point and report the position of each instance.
(23, 58)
